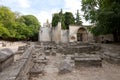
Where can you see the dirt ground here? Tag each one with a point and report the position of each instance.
(106, 72)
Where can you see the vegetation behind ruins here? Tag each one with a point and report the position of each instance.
(105, 15)
(66, 19)
(14, 26)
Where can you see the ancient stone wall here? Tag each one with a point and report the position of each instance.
(45, 34)
(64, 36)
(19, 70)
(104, 38)
(6, 58)
(56, 33)
(6, 63)
(73, 33)
(73, 30)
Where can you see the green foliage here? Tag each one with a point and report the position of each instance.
(78, 19)
(90, 8)
(62, 19)
(32, 24)
(105, 14)
(16, 27)
(66, 19)
(69, 19)
(4, 33)
(55, 19)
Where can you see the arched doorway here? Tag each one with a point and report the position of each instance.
(82, 34)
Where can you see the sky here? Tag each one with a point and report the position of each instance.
(43, 9)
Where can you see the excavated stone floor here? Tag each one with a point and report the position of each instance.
(108, 71)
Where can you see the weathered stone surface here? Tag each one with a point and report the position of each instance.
(47, 52)
(6, 58)
(22, 48)
(64, 67)
(19, 69)
(88, 60)
(37, 69)
(112, 58)
(77, 48)
(53, 53)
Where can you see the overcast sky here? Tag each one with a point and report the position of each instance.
(42, 9)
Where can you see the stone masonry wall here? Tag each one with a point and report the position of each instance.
(19, 70)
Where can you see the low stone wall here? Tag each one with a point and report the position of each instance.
(6, 58)
(112, 58)
(88, 60)
(6, 63)
(19, 70)
(71, 49)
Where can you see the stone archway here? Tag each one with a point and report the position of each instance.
(82, 34)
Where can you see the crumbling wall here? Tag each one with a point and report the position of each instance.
(64, 36)
(45, 34)
(56, 33)
(19, 70)
(104, 38)
(6, 58)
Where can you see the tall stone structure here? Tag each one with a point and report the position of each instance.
(56, 34)
(45, 33)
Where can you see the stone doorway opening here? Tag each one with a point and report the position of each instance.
(82, 34)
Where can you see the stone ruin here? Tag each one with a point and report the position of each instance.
(6, 58)
(69, 58)
(64, 67)
(11, 69)
(87, 60)
(34, 58)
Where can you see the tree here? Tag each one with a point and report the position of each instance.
(7, 19)
(62, 19)
(14, 26)
(90, 8)
(105, 14)
(66, 19)
(4, 33)
(30, 25)
(78, 19)
(69, 19)
(55, 19)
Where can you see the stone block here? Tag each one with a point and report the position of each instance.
(87, 61)
(21, 48)
(19, 70)
(6, 58)
(37, 69)
(47, 52)
(64, 67)
(112, 58)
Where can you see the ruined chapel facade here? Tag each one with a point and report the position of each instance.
(56, 34)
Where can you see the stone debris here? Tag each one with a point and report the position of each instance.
(47, 52)
(64, 67)
(37, 69)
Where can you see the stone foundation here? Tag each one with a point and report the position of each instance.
(89, 60)
(112, 58)
(6, 62)
(19, 70)
(6, 58)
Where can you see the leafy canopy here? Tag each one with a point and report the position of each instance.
(104, 14)
(17, 27)
(66, 19)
